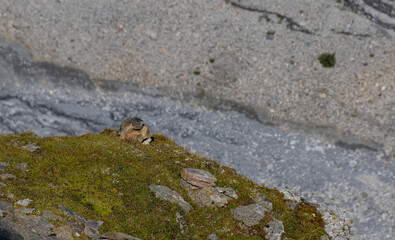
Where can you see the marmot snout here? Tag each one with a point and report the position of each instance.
(135, 130)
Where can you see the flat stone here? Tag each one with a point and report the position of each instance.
(212, 236)
(337, 222)
(24, 202)
(65, 232)
(187, 186)
(21, 166)
(228, 191)
(198, 177)
(165, 193)
(50, 215)
(275, 231)
(25, 210)
(11, 196)
(3, 165)
(250, 215)
(208, 197)
(78, 218)
(290, 195)
(6, 176)
(181, 220)
(75, 226)
(264, 202)
(5, 208)
(42, 226)
(32, 147)
(92, 228)
(18, 226)
(118, 236)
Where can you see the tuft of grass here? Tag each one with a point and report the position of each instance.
(327, 60)
(104, 178)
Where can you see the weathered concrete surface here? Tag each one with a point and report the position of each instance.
(260, 54)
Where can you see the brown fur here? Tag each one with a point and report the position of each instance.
(134, 130)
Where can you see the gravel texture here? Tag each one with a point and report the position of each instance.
(262, 54)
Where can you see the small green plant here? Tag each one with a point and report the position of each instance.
(196, 72)
(327, 59)
(212, 60)
(371, 55)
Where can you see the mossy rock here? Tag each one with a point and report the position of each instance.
(104, 178)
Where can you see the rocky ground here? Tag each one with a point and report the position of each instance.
(222, 68)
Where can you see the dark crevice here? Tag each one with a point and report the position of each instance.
(291, 24)
(354, 146)
(380, 7)
(351, 34)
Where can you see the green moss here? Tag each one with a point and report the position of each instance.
(212, 60)
(104, 178)
(327, 60)
(196, 72)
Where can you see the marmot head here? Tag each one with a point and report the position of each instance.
(135, 130)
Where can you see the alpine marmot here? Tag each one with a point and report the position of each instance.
(135, 130)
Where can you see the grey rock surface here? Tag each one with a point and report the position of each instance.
(198, 177)
(227, 191)
(24, 202)
(275, 230)
(337, 222)
(25, 210)
(32, 147)
(165, 193)
(50, 215)
(3, 165)
(6, 207)
(78, 218)
(6, 176)
(265, 203)
(250, 215)
(118, 235)
(208, 197)
(92, 229)
(212, 236)
(65, 232)
(21, 166)
(19, 226)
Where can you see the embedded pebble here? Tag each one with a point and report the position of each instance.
(24, 202)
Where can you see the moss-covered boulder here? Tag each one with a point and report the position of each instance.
(103, 178)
